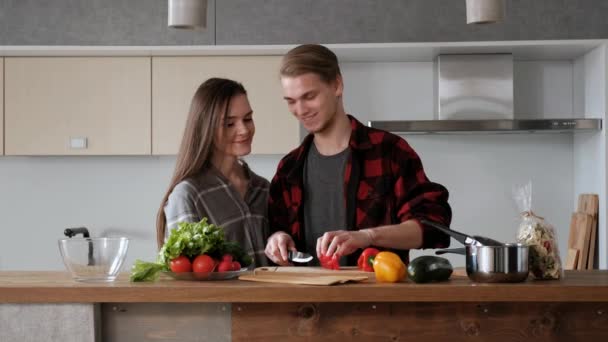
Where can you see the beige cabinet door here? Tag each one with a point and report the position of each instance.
(1, 106)
(77, 105)
(175, 80)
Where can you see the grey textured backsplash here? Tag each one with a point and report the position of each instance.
(144, 22)
(345, 21)
(96, 22)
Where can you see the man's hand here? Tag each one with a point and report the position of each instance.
(277, 247)
(343, 242)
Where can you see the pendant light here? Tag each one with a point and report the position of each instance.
(187, 14)
(485, 11)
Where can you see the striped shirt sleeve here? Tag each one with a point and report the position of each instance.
(181, 206)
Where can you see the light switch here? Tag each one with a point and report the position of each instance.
(78, 142)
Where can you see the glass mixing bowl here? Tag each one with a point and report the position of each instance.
(94, 259)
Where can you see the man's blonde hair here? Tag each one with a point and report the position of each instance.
(311, 58)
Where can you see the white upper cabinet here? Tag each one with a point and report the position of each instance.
(77, 105)
(1, 106)
(175, 80)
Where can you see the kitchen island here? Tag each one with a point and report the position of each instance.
(574, 308)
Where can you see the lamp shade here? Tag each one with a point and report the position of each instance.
(187, 14)
(485, 11)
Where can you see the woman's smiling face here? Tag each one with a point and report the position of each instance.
(235, 133)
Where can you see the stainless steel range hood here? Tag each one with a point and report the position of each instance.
(488, 126)
(475, 95)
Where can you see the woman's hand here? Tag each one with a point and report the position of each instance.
(277, 247)
(343, 242)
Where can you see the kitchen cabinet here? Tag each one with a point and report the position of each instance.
(175, 79)
(77, 105)
(1, 106)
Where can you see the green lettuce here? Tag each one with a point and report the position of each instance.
(145, 271)
(189, 239)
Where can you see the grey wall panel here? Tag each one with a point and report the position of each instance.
(144, 22)
(49, 322)
(184, 322)
(96, 22)
(356, 21)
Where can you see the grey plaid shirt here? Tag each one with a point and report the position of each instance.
(211, 195)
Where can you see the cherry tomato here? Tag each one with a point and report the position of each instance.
(180, 264)
(236, 266)
(203, 263)
(224, 266)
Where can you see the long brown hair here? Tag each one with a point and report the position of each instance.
(209, 104)
(311, 58)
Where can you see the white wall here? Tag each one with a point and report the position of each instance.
(480, 170)
(590, 168)
(112, 196)
(543, 89)
(40, 196)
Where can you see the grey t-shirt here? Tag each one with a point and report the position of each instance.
(324, 206)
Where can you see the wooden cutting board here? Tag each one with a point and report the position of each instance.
(309, 270)
(572, 260)
(580, 231)
(589, 204)
(295, 278)
(306, 275)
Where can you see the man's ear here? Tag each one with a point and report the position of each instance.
(338, 86)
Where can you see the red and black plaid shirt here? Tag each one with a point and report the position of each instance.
(384, 184)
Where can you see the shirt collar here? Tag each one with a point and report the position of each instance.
(359, 137)
(359, 140)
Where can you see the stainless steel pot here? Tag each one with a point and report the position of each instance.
(495, 264)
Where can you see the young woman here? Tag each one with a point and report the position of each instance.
(210, 179)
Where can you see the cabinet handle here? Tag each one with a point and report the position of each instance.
(78, 143)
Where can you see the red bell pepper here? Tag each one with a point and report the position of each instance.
(330, 262)
(366, 259)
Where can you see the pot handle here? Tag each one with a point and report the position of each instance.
(460, 237)
(70, 232)
(462, 251)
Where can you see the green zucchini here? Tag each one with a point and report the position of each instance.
(429, 268)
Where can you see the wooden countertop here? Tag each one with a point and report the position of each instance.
(58, 287)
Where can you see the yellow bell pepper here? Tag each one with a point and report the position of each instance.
(389, 268)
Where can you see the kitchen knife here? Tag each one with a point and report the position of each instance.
(299, 257)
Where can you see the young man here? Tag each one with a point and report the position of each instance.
(347, 186)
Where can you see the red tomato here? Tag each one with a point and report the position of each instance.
(236, 266)
(203, 263)
(330, 262)
(224, 266)
(180, 264)
(227, 257)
